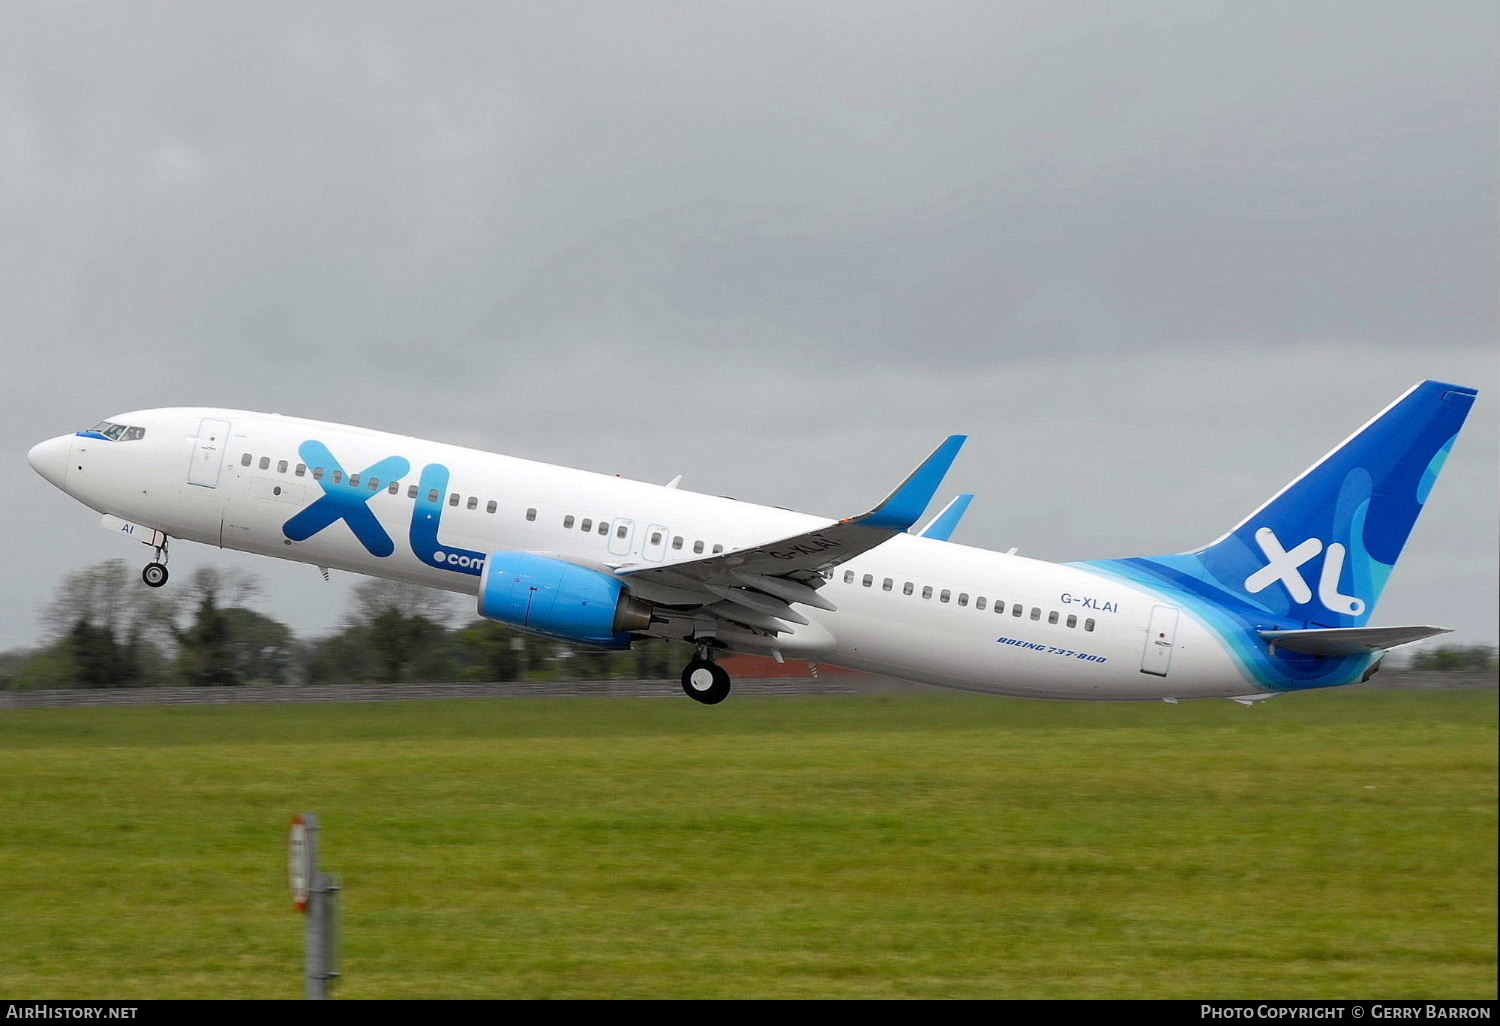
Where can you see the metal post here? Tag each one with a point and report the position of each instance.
(321, 897)
(322, 935)
(317, 982)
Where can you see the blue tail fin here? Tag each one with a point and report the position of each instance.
(1321, 549)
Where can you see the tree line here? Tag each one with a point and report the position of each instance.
(104, 630)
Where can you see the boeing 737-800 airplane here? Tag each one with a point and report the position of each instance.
(1280, 603)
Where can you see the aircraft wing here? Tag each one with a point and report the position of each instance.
(762, 581)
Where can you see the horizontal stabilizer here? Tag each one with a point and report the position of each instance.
(942, 526)
(1347, 641)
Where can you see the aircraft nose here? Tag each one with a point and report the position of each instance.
(50, 458)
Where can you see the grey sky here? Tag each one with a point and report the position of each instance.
(1155, 257)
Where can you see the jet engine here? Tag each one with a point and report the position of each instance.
(559, 599)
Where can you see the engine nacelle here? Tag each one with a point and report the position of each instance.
(548, 596)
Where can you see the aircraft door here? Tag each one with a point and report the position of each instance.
(1161, 638)
(655, 545)
(620, 534)
(208, 452)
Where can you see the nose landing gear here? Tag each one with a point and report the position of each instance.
(155, 572)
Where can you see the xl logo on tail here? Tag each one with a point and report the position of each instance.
(1286, 566)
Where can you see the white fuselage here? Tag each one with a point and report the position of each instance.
(911, 608)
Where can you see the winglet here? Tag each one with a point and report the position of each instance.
(900, 509)
(942, 526)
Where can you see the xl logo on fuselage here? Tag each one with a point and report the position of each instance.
(344, 499)
(1285, 566)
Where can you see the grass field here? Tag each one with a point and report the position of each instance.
(1325, 845)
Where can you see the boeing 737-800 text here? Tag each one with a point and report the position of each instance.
(1281, 602)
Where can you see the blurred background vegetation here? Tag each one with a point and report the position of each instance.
(103, 629)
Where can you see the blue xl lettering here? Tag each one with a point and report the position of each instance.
(343, 501)
(426, 517)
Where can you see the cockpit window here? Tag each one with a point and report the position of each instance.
(113, 432)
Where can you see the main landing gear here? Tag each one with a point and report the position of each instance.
(705, 680)
(155, 572)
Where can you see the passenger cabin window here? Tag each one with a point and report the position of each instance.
(979, 603)
(603, 527)
(655, 537)
(491, 506)
(374, 484)
(434, 496)
(886, 584)
(587, 524)
(907, 588)
(867, 580)
(265, 463)
(338, 477)
(317, 473)
(568, 520)
(411, 491)
(1017, 610)
(453, 498)
(1052, 616)
(718, 549)
(1088, 624)
(944, 595)
(281, 466)
(999, 607)
(698, 546)
(677, 542)
(353, 480)
(848, 576)
(1072, 621)
(927, 592)
(530, 513)
(620, 531)
(246, 459)
(473, 503)
(395, 488)
(963, 598)
(1036, 613)
(301, 470)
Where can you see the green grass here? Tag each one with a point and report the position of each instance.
(1329, 845)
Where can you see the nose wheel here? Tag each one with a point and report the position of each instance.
(705, 681)
(155, 572)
